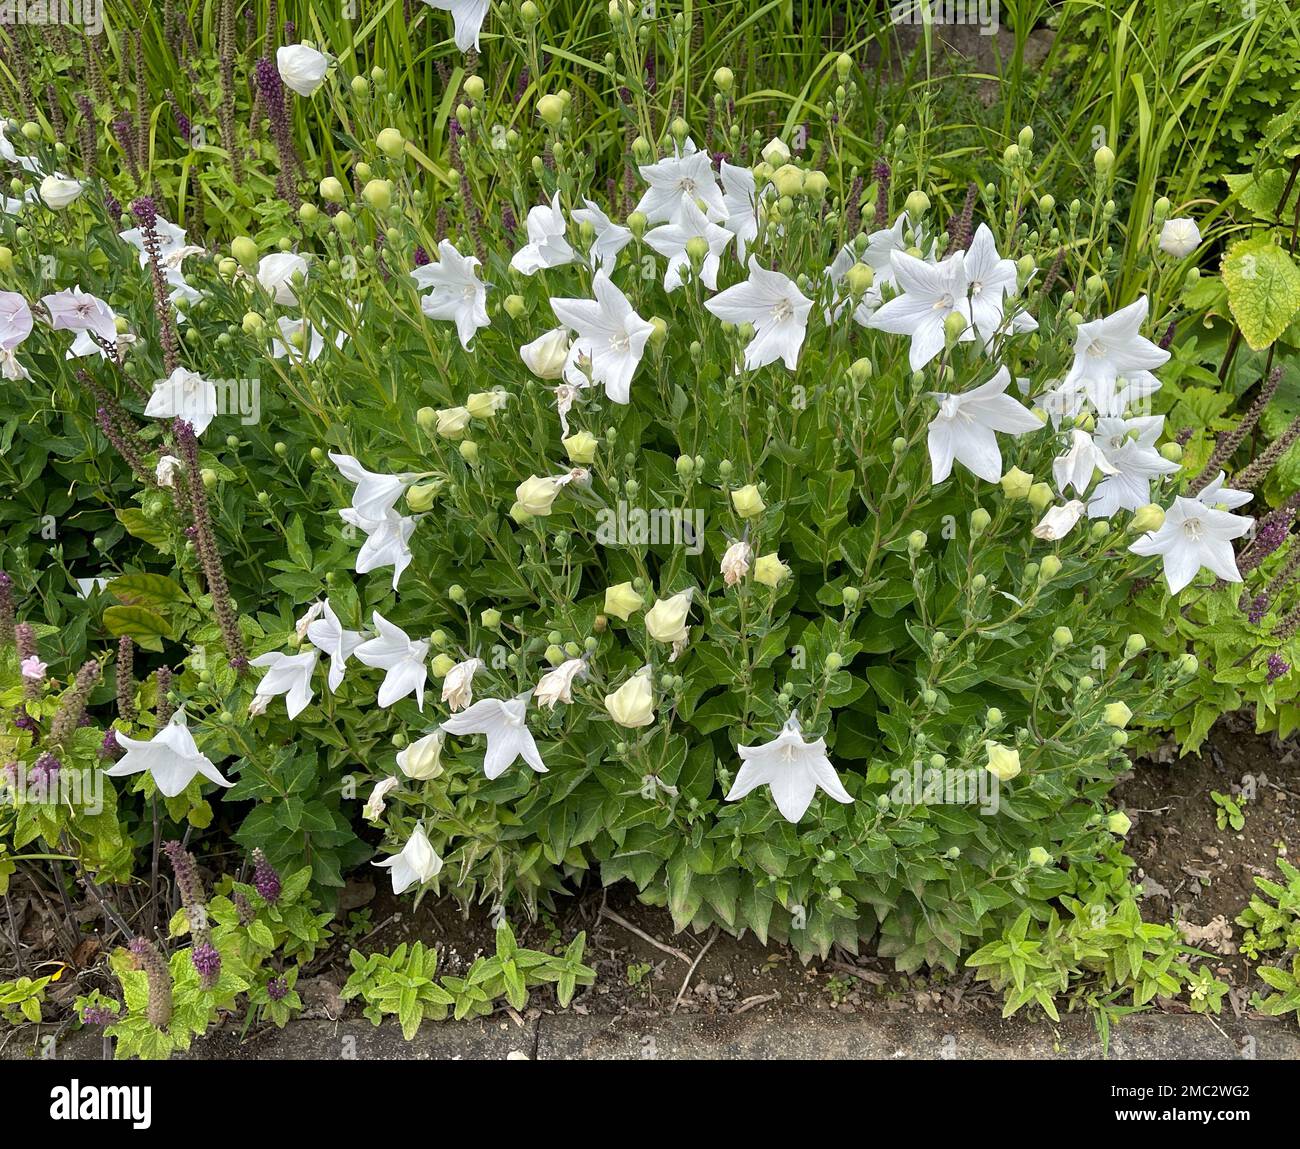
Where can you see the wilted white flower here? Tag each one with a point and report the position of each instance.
(557, 685)
(374, 807)
(458, 686)
(735, 562)
(1059, 521)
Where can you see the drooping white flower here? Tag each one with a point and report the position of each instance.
(374, 494)
(740, 199)
(59, 191)
(331, 637)
(170, 756)
(458, 685)
(930, 293)
(688, 174)
(1180, 237)
(964, 428)
(792, 768)
(1215, 494)
(310, 615)
(184, 394)
(301, 67)
(374, 807)
(504, 723)
(547, 355)
(290, 675)
(417, 863)
(735, 562)
(457, 292)
(1194, 536)
(387, 541)
(670, 240)
(1059, 521)
(611, 237)
(992, 281)
(557, 685)
(9, 155)
(611, 336)
(15, 326)
(467, 19)
(77, 310)
(299, 340)
(777, 310)
(1108, 349)
(392, 651)
(547, 245)
(276, 273)
(1129, 448)
(1075, 468)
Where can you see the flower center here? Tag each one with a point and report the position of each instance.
(1193, 529)
(1097, 350)
(621, 342)
(782, 310)
(943, 303)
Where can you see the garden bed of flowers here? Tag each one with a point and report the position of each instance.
(502, 456)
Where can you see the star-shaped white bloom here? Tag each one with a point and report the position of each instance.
(329, 635)
(670, 240)
(290, 675)
(387, 541)
(931, 292)
(1129, 448)
(793, 768)
(1194, 536)
(467, 19)
(991, 280)
(172, 248)
(15, 326)
(77, 310)
(404, 660)
(1215, 494)
(611, 238)
(610, 335)
(882, 244)
(1109, 349)
(547, 245)
(457, 292)
(740, 199)
(686, 175)
(184, 394)
(777, 310)
(171, 756)
(508, 737)
(417, 863)
(964, 428)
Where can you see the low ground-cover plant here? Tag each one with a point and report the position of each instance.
(758, 533)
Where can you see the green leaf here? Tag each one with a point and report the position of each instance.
(146, 626)
(1263, 289)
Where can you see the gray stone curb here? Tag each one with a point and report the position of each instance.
(818, 1035)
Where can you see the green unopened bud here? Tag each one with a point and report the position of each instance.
(725, 80)
(993, 716)
(244, 250)
(1103, 159)
(1016, 483)
(469, 452)
(331, 190)
(427, 418)
(1040, 495)
(1039, 857)
(916, 205)
(253, 323)
(490, 618)
(1187, 665)
(551, 109)
(1148, 517)
(979, 521)
(860, 371)
(1062, 637)
(1049, 568)
(1118, 823)
(1171, 451)
(514, 306)
(916, 542)
(834, 662)
(1046, 204)
(1134, 645)
(456, 593)
(474, 88)
(850, 596)
(859, 279)
(378, 194)
(390, 140)
(954, 327)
